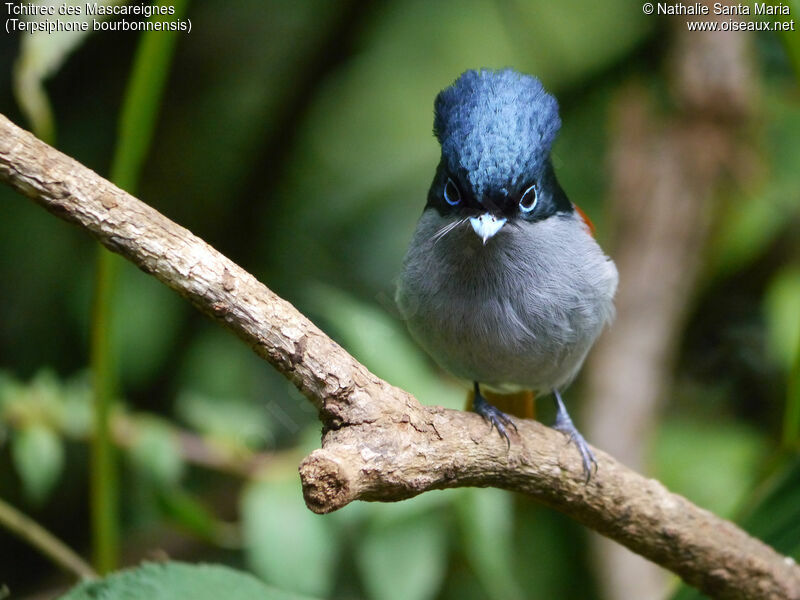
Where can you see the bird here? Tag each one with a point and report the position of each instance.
(503, 283)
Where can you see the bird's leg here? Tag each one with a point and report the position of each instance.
(565, 425)
(493, 415)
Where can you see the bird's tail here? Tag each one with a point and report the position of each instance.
(519, 404)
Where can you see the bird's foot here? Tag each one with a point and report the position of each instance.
(565, 425)
(496, 417)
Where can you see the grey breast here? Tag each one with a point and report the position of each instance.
(520, 312)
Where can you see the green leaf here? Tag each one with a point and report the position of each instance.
(381, 343)
(9, 389)
(156, 452)
(76, 418)
(773, 516)
(688, 455)
(231, 420)
(145, 319)
(39, 459)
(486, 517)
(191, 514)
(218, 364)
(178, 581)
(404, 559)
(745, 228)
(782, 311)
(287, 544)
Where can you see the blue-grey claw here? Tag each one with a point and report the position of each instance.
(565, 425)
(496, 417)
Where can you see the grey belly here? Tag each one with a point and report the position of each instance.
(497, 344)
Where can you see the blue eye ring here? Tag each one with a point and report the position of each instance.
(529, 199)
(452, 195)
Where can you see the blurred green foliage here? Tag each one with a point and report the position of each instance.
(38, 457)
(286, 545)
(296, 137)
(403, 555)
(41, 56)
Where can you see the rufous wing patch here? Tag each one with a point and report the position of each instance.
(585, 218)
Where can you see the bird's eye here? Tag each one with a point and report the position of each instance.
(528, 201)
(451, 194)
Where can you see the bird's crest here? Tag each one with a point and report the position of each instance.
(495, 127)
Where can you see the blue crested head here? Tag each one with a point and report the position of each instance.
(496, 129)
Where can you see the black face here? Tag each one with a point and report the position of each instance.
(534, 200)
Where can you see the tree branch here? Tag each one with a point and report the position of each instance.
(379, 442)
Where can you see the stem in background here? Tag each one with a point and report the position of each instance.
(103, 474)
(136, 125)
(44, 541)
(143, 99)
(791, 419)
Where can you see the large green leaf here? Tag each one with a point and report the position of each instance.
(773, 516)
(688, 456)
(156, 452)
(178, 581)
(487, 519)
(404, 559)
(380, 342)
(217, 364)
(287, 544)
(145, 319)
(222, 391)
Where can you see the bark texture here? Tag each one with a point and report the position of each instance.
(379, 442)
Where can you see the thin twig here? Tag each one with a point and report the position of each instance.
(37, 536)
(196, 450)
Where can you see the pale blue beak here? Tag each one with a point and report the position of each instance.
(486, 226)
